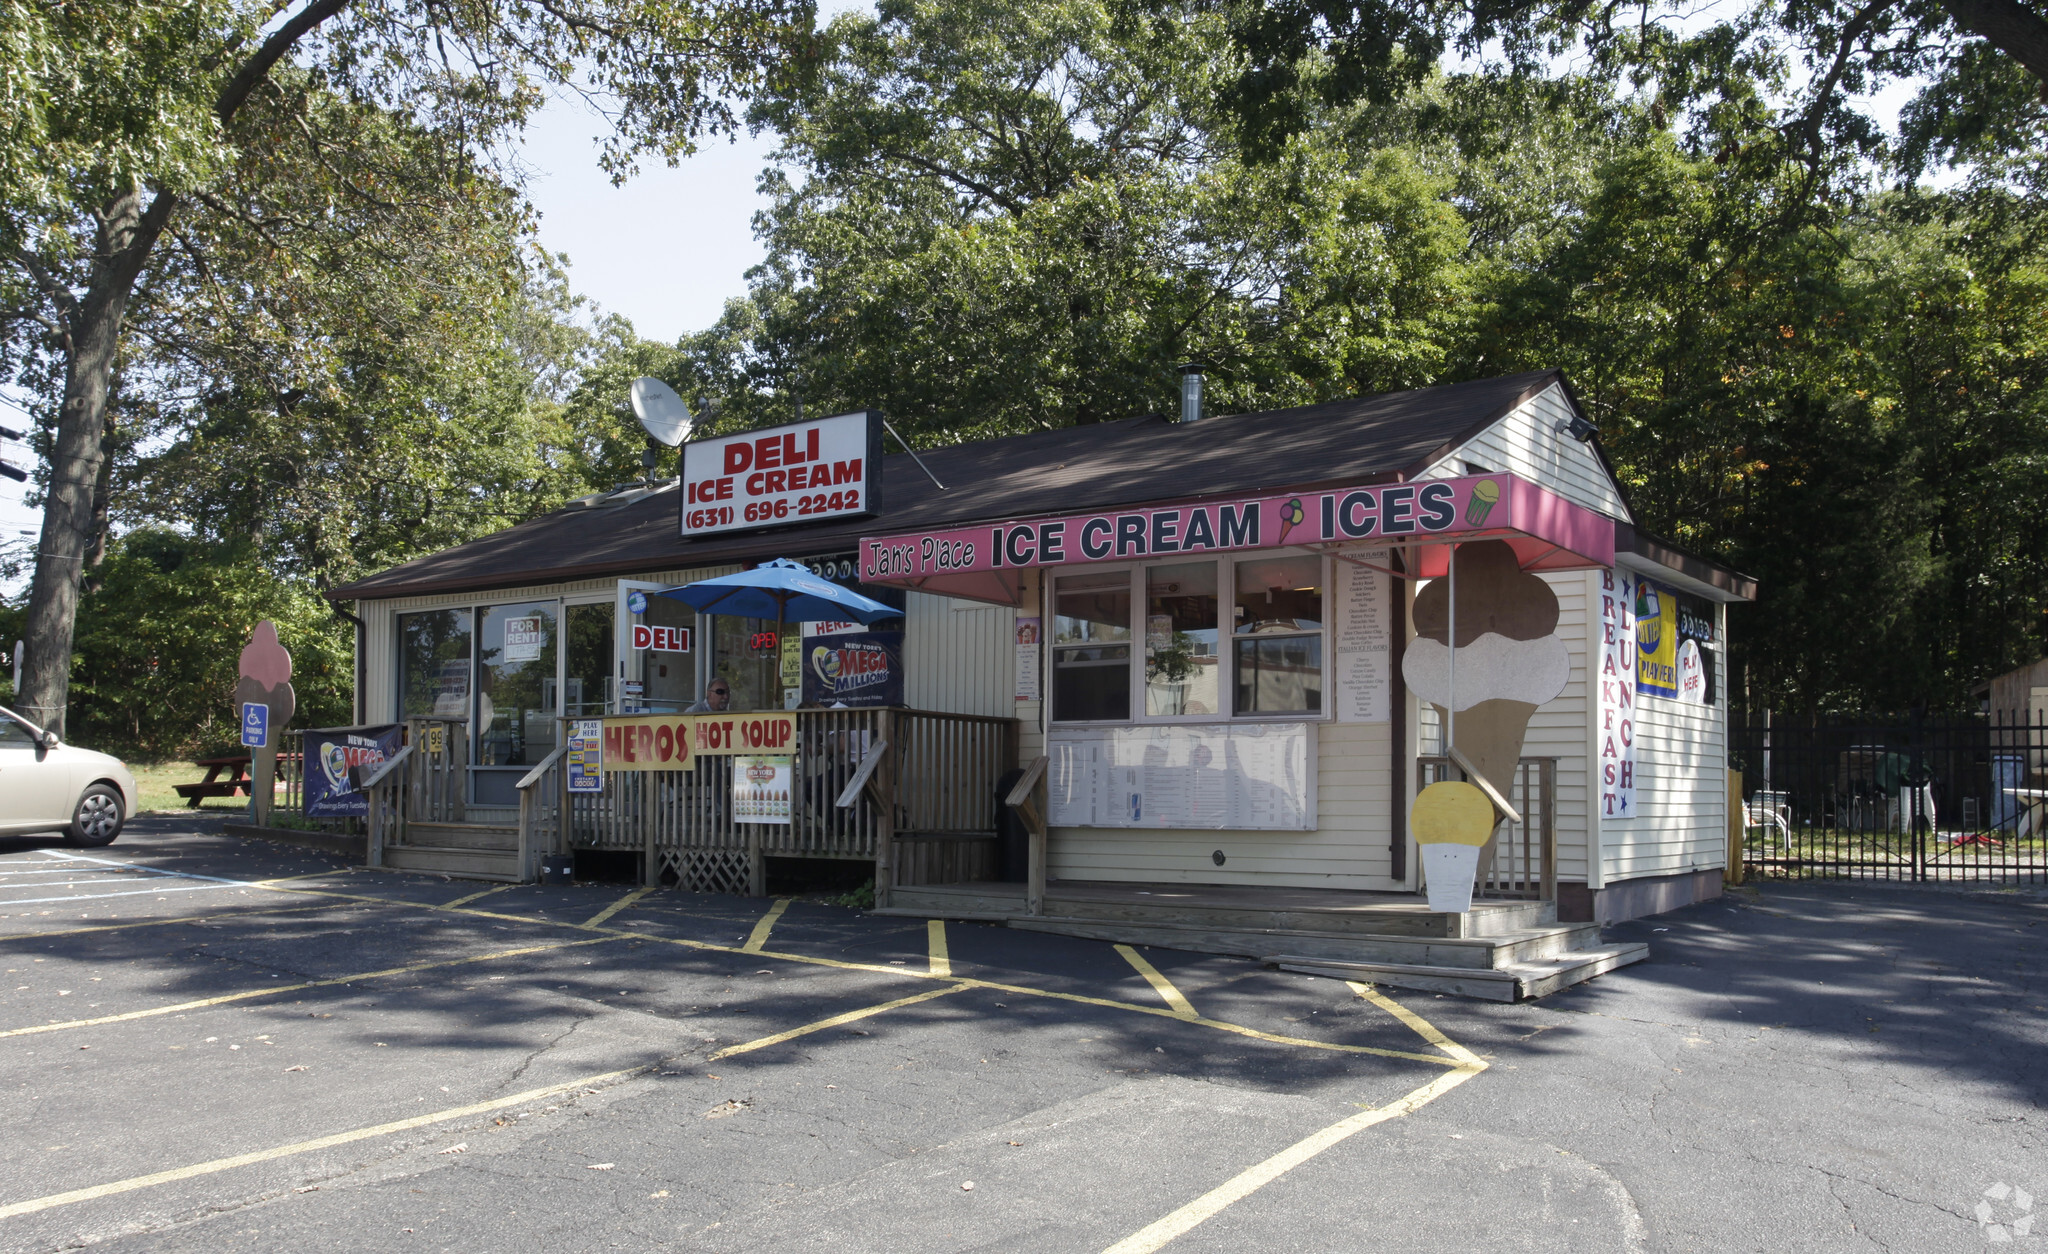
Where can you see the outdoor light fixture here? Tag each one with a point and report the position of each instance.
(1577, 428)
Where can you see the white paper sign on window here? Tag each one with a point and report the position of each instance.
(1617, 731)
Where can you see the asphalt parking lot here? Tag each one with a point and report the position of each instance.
(207, 1043)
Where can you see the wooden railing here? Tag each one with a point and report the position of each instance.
(1525, 856)
(540, 812)
(384, 784)
(935, 785)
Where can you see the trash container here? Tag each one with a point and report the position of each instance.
(558, 868)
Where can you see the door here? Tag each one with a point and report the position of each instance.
(35, 783)
(658, 651)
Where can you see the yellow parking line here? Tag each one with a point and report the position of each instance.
(306, 1147)
(606, 913)
(184, 918)
(225, 998)
(1158, 1233)
(775, 912)
(935, 940)
(850, 1016)
(1242, 1185)
(463, 901)
(1416, 1023)
(1160, 984)
(765, 926)
(311, 875)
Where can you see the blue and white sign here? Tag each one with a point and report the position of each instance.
(636, 602)
(586, 755)
(255, 725)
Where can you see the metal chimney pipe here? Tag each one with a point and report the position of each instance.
(1191, 391)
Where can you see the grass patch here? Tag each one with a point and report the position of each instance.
(154, 788)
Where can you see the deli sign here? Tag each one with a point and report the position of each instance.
(661, 639)
(800, 473)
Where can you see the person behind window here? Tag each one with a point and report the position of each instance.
(717, 699)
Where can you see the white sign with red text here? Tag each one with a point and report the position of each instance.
(783, 476)
(661, 639)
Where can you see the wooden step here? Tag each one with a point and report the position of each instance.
(461, 835)
(1386, 918)
(1522, 981)
(1466, 953)
(501, 865)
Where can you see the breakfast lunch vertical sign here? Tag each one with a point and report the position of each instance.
(1617, 730)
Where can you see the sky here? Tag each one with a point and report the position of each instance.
(669, 248)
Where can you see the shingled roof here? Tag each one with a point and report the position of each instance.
(1131, 462)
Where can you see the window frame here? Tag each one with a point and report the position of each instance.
(1226, 663)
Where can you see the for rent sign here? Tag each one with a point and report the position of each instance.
(1479, 504)
(672, 742)
(782, 476)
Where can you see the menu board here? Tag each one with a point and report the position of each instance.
(1364, 643)
(1245, 776)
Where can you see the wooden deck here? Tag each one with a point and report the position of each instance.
(1500, 950)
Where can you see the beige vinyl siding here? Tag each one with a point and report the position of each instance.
(959, 656)
(1681, 818)
(1527, 443)
(1348, 849)
(1030, 715)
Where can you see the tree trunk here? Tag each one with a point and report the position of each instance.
(127, 232)
(2012, 27)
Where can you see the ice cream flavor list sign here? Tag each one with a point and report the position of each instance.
(1364, 645)
(1617, 731)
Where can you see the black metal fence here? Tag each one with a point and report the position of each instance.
(1913, 799)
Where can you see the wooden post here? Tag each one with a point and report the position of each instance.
(1032, 804)
(1732, 874)
(373, 839)
(882, 786)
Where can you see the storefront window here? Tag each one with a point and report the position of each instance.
(670, 677)
(1091, 653)
(1180, 639)
(587, 659)
(433, 664)
(1278, 626)
(748, 656)
(516, 703)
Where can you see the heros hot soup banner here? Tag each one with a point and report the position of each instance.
(1477, 504)
(672, 742)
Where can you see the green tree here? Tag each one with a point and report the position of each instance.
(158, 646)
(190, 172)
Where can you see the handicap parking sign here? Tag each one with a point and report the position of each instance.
(255, 724)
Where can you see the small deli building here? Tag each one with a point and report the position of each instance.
(1233, 650)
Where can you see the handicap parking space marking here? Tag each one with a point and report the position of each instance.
(213, 917)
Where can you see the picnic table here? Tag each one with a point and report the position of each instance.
(213, 785)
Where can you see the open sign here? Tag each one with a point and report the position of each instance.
(661, 639)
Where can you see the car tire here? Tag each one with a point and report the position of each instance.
(98, 818)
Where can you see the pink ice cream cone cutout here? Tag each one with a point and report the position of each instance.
(1291, 514)
(266, 680)
(1509, 660)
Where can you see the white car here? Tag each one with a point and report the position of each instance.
(48, 786)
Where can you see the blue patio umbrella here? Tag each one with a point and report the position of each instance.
(782, 590)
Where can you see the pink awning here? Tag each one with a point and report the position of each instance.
(1422, 517)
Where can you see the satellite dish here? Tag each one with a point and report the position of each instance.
(661, 412)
